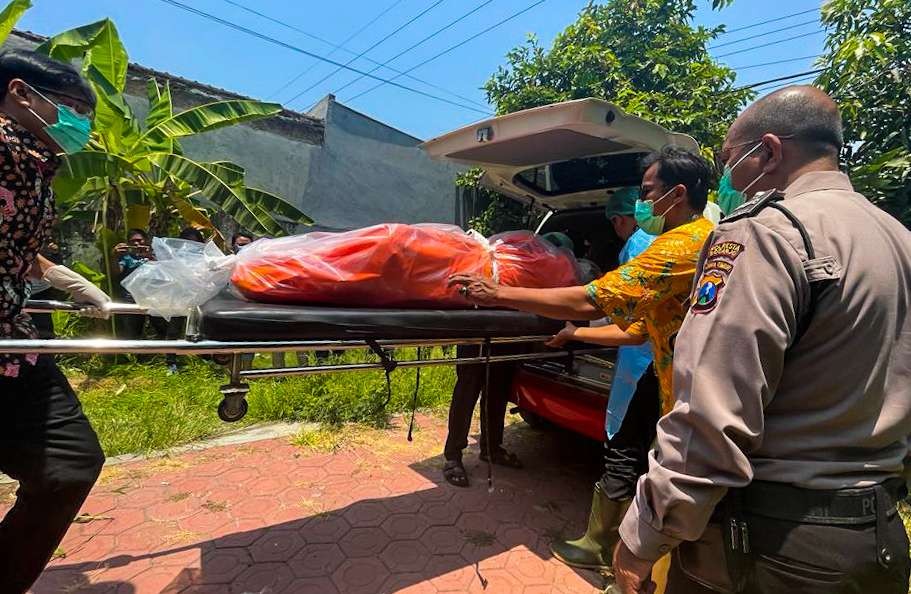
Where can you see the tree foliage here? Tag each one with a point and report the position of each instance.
(645, 56)
(868, 72)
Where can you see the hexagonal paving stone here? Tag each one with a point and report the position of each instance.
(366, 514)
(407, 583)
(451, 573)
(511, 536)
(263, 577)
(443, 513)
(405, 526)
(316, 560)
(222, 566)
(243, 533)
(360, 576)
(364, 542)
(403, 556)
(276, 545)
(496, 581)
(443, 540)
(253, 507)
(529, 568)
(403, 504)
(329, 527)
(484, 549)
(315, 585)
(505, 511)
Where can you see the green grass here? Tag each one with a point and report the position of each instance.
(137, 407)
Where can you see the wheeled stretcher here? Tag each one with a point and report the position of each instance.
(229, 327)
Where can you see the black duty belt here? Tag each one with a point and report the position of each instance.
(842, 507)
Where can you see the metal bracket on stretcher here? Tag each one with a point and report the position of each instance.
(320, 329)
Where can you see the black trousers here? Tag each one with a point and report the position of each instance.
(626, 455)
(816, 559)
(48, 445)
(469, 384)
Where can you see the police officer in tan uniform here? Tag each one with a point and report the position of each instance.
(780, 466)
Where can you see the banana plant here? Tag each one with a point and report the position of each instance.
(132, 165)
(133, 170)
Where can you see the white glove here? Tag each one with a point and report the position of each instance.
(79, 288)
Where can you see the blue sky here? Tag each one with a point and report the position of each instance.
(161, 36)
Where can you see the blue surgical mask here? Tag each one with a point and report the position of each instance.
(730, 199)
(71, 132)
(646, 218)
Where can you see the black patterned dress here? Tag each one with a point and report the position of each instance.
(26, 216)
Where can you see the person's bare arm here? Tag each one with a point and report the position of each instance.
(566, 303)
(40, 266)
(610, 335)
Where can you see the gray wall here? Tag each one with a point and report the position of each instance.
(368, 173)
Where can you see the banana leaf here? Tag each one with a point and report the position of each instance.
(11, 15)
(68, 189)
(211, 116)
(277, 206)
(97, 44)
(114, 122)
(160, 109)
(223, 192)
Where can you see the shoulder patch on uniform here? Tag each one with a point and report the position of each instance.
(728, 250)
(706, 296)
(719, 263)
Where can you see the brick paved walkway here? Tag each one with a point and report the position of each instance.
(372, 516)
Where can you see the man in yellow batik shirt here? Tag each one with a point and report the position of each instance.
(646, 299)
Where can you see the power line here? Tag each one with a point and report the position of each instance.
(764, 33)
(755, 47)
(778, 79)
(421, 42)
(802, 80)
(374, 46)
(781, 18)
(451, 48)
(299, 50)
(335, 46)
(772, 63)
(345, 42)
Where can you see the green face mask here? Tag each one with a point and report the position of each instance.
(730, 199)
(71, 132)
(646, 218)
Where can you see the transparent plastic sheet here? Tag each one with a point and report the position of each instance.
(388, 265)
(523, 259)
(185, 274)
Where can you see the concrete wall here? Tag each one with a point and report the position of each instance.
(367, 172)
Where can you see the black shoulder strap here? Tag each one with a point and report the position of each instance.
(772, 199)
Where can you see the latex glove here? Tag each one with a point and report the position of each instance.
(79, 288)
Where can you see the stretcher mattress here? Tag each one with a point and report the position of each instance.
(226, 318)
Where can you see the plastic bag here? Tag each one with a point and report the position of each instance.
(389, 265)
(523, 259)
(185, 274)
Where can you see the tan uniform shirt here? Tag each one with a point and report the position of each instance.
(832, 412)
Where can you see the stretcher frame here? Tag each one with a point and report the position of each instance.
(233, 406)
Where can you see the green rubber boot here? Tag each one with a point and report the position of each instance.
(596, 547)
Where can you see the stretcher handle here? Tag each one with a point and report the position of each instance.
(47, 306)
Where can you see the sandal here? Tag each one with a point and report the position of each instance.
(454, 473)
(502, 457)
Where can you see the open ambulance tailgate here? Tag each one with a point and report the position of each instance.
(564, 155)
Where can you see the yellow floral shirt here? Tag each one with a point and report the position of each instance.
(649, 295)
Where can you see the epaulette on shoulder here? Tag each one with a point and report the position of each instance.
(753, 207)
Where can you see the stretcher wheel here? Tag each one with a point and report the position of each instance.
(231, 412)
